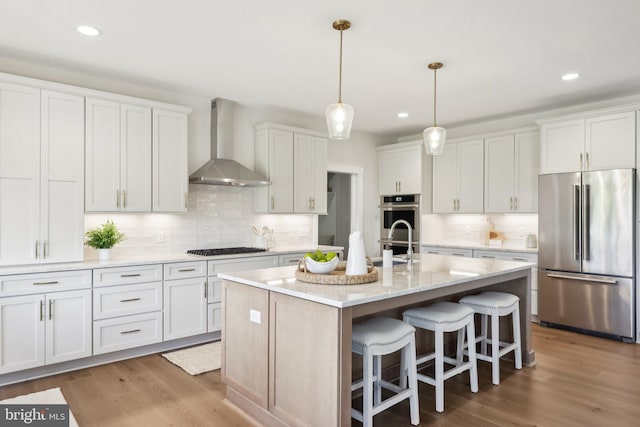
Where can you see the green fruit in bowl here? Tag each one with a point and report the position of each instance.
(331, 255)
(319, 256)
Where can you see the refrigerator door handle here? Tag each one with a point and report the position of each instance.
(583, 278)
(576, 222)
(586, 222)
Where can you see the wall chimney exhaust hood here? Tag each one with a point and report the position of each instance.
(224, 171)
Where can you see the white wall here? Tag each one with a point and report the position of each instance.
(358, 152)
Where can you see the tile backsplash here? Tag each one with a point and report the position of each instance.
(472, 229)
(218, 216)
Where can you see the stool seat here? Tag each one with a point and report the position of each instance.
(494, 305)
(490, 300)
(373, 339)
(439, 313)
(378, 331)
(442, 317)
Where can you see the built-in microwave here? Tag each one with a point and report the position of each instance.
(393, 208)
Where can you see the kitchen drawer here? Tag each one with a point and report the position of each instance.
(290, 259)
(505, 255)
(125, 300)
(214, 317)
(185, 270)
(127, 275)
(240, 264)
(447, 251)
(214, 289)
(38, 283)
(126, 332)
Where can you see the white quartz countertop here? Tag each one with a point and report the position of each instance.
(504, 248)
(428, 273)
(150, 259)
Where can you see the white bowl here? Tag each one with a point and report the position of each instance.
(321, 267)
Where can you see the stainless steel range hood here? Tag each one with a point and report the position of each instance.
(224, 171)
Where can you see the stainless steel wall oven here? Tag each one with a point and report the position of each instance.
(393, 208)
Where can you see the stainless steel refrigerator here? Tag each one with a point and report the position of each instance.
(586, 251)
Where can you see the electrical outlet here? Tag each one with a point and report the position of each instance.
(160, 236)
(254, 316)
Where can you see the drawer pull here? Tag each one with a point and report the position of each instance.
(456, 254)
(55, 282)
(487, 256)
(433, 252)
(130, 300)
(184, 270)
(519, 259)
(130, 332)
(131, 275)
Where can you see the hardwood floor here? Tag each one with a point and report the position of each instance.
(578, 381)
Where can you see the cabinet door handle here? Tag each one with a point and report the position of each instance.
(50, 309)
(41, 310)
(313, 199)
(206, 292)
(117, 198)
(184, 270)
(132, 331)
(130, 300)
(511, 203)
(586, 161)
(400, 186)
(37, 250)
(515, 203)
(53, 282)
(272, 203)
(45, 249)
(454, 204)
(124, 198)
(185, 199)
(580, 161)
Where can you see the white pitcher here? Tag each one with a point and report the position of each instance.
(356, 261)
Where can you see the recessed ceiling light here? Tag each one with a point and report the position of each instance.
(570, 76)
(403, 115)
(88, 30)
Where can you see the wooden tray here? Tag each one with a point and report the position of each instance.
(337, 276)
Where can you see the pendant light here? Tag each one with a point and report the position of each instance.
(435, 136)
(340, 115)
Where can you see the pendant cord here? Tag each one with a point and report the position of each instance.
(434, 97)
(340, 73)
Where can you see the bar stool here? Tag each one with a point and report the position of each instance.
(372, 339)
(495, 304)
(444, 317)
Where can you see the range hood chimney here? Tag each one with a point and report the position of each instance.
(224, 171)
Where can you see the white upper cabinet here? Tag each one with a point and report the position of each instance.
(458, 178)
(295, 163)
(400, 168)
(41, 176)
(309, 174)
(19, 173)
(170, 162)
(594, 142)
(118, 157)
(511, 173)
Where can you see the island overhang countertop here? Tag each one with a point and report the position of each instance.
(427, 272)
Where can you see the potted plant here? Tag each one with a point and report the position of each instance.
(103, 238)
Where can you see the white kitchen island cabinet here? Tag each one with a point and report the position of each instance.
(458, 176)
(117, 157)
(596, 140)
(292, 363)
(41, 176)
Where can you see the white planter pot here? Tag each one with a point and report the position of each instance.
(104, 254)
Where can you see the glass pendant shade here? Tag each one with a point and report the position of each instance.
(339, 120)
(434, 139)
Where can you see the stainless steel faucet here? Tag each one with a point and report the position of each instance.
(410, 245)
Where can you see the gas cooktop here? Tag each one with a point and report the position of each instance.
(224, 251)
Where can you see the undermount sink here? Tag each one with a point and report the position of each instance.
(396, 261)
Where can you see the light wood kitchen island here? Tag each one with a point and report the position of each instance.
(286, 355)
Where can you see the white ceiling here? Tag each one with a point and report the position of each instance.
(501, 57)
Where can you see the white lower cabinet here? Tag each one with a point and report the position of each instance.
(42, 329)
(439, 250)
(185, 300)
(121, 333)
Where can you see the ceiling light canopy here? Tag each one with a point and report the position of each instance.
(89, 30)
(434, 137)
(340, 115)
(403, 115)
(570, 76)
